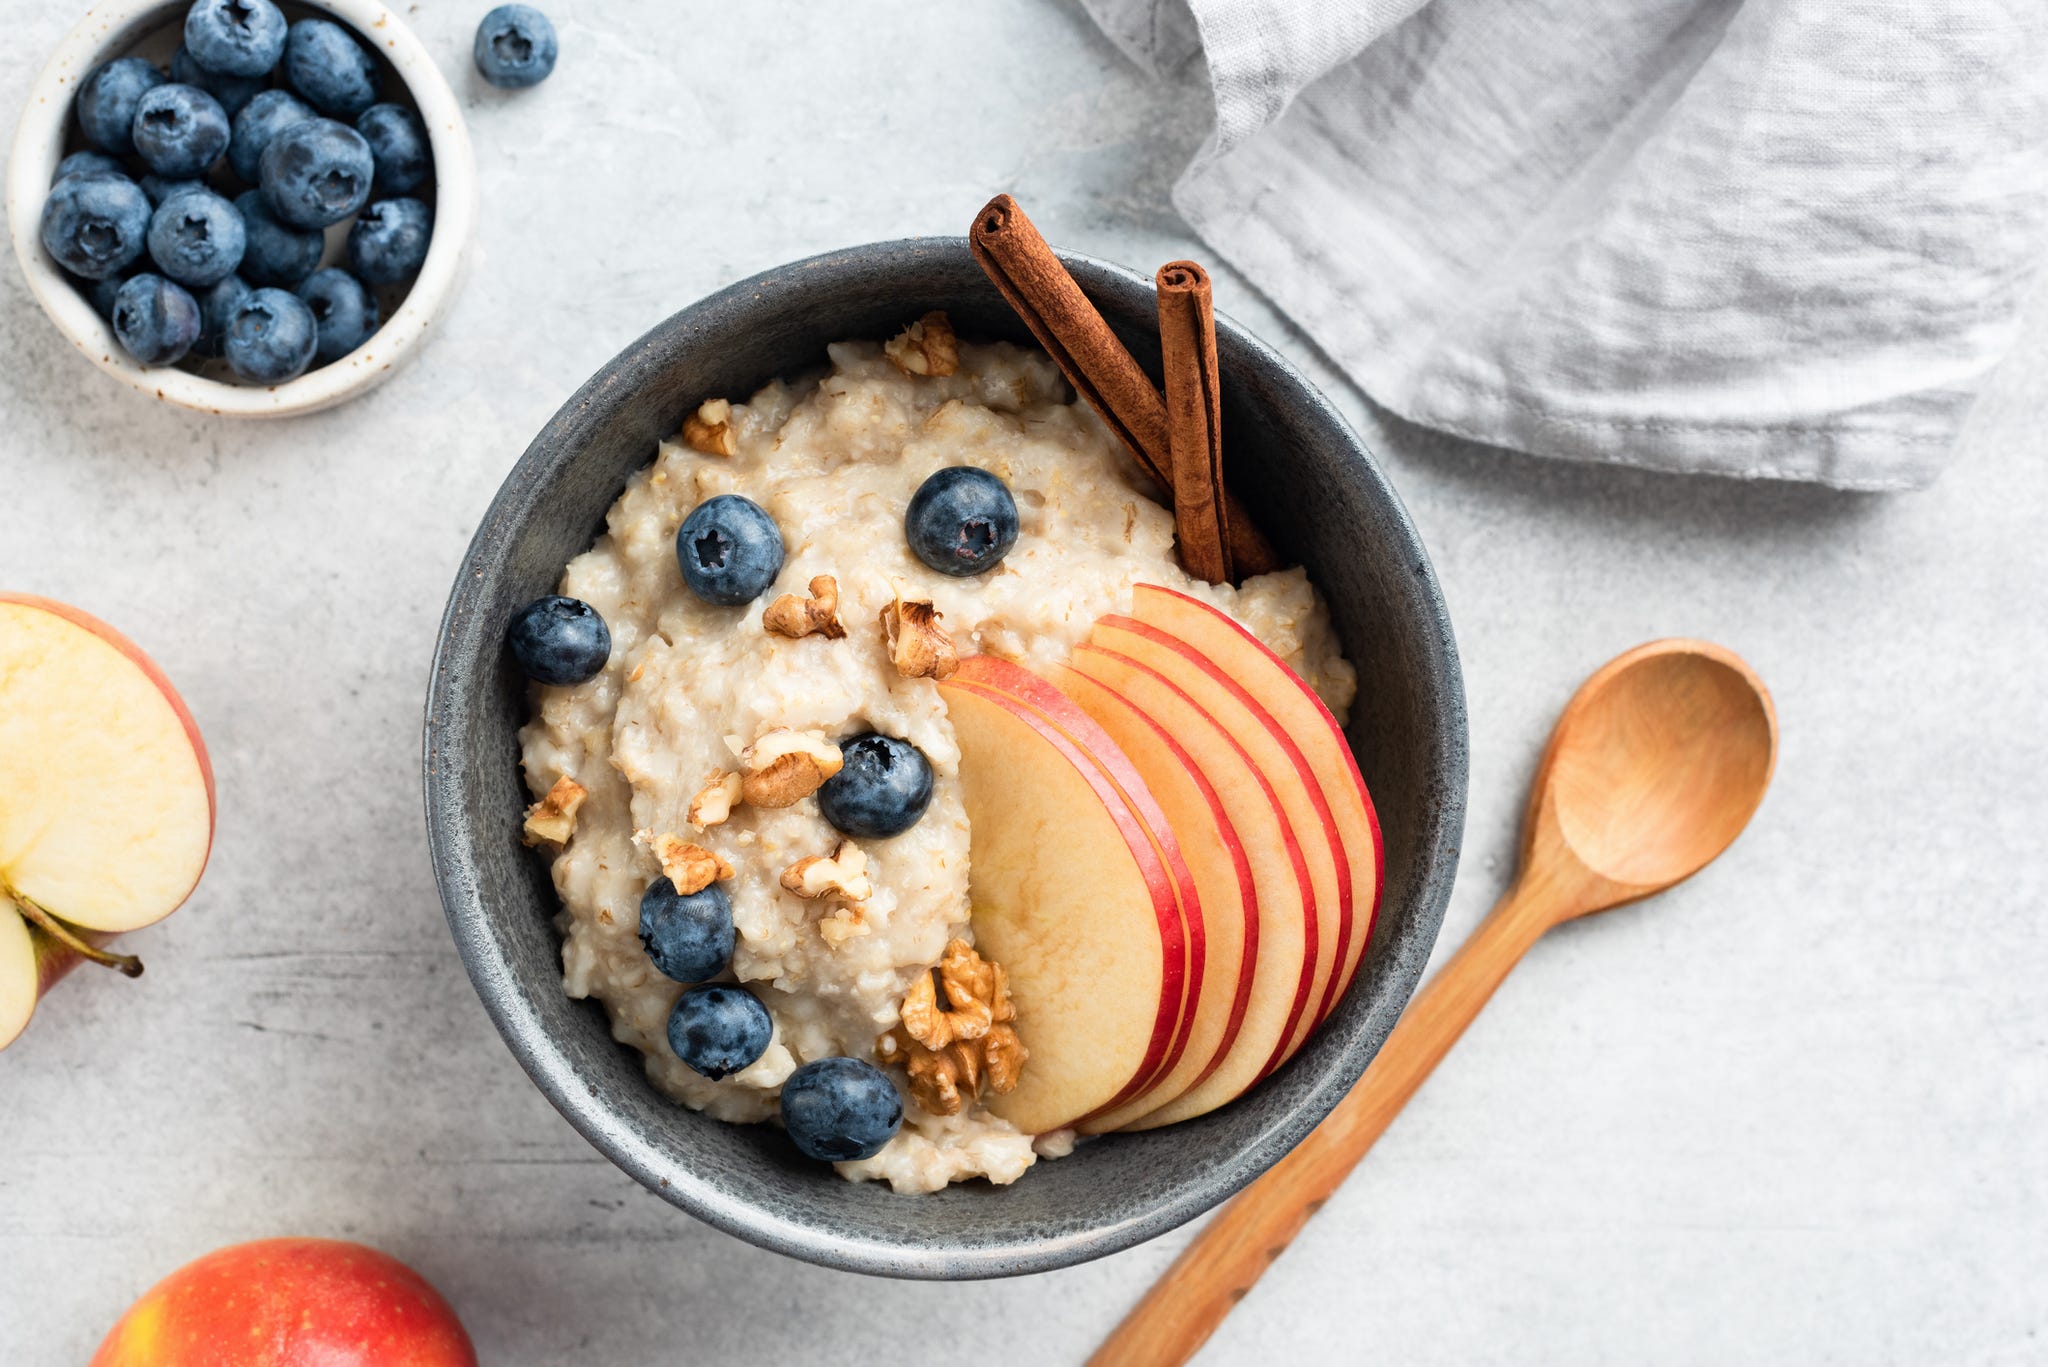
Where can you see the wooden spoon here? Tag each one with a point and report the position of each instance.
(1655, 767)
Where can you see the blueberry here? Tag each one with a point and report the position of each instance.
(160, 188)
(560, 640)
(216, 307)
(88, 164)
(261, 120)
(961, 521)
(388, 242)
(515, 47)
(325, 64)
(107, 100)
(196, 237)
(345, 311)
(398, 146)
(687, 936)
(102, 293)
(840, 1109)
(270, 337)
(729, 549)
(180, 130)
(232, 91)
(276, 254)
(881, 789)
(316, 172)
(718, 1029)
(235, 37)
(95, 226)
(156, 321)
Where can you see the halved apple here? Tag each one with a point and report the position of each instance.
(1072, 896)
(1286, 695)
(106, 797)
(1284, 766)
(1283, 981)
(1223, 875)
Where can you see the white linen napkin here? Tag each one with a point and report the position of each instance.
(1781, 238)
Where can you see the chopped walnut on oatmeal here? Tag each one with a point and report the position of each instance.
(843, 873)
(715, 800)
(849, 922)
(692, 868)
(709, 429)
(785, 766)
(918, 646)
(926, 347)
(552, 820)
(950, 1051)
(795, 616)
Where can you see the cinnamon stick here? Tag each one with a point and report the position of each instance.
(1194, 419)
(1081, 342)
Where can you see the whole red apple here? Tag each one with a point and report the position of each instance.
(290, 1303)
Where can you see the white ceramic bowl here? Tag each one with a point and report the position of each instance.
(116, 27)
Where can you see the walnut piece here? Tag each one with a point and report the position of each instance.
(715, 800)
(918, 646)
(785, 766)
(951, 1051)
(709, 429)
(552, 820)
(847, 923)
(794, 616)
(926, 347)
(843, 873)
(692, 868)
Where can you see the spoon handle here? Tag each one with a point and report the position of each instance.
(1216, 1271)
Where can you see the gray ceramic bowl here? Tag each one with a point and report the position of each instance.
(1314, 488)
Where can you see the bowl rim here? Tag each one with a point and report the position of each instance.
(115, 25)
(543, 1056)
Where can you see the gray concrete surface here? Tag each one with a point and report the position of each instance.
(1793, 1112)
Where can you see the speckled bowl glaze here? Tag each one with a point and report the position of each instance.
(147, 28)
(1304, 474)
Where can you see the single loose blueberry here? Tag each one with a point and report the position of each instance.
(232, 91)
(95, 226)
(196, 237)
(961, 521)
(688, 936)
(718, 1029)
(515, 47)
(838, 1110)
(89, 164)
(235, 37)
(559, 640)
(328, 67)
(217, 306)
(270, 337)
(261, 120)
(107, 99)
(277, 254)
(345, 312)
(398, 146)
(729, 549)
(155, 320)
(180, 130)
(160, 188)
(316, 172)
(883, 786)
(388, 242)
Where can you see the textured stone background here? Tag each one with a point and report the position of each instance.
(1793, 1112)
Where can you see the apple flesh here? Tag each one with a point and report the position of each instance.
(290, 1303)
(1286, 696)
(1073, 895)
(106, 797)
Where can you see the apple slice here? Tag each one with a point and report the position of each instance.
(1284, 766)
(106, 795)
(1223, 875)
(1072, 898)
(1287, 696)
(1283, 979)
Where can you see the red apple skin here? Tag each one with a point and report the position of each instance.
(290, 1303)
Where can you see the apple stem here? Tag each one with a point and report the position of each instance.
(64, 935)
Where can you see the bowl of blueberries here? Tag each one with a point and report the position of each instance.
(245, 208)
